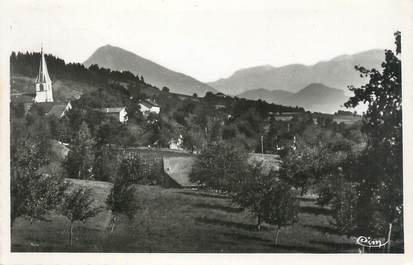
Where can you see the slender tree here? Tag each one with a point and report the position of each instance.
(121, 200)
(105, 163)
(78, 206)
(377, 173)
(281, 207)
(80, 158)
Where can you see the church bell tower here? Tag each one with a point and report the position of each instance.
(44, 91)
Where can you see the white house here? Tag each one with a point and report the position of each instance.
(119, 113)
(176, 144)
(219, 106)
(149, 106)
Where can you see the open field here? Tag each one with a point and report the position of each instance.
(182, 220)
(63, 90)
(53, 233)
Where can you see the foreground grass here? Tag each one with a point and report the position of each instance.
(177, 220)
(52, 234)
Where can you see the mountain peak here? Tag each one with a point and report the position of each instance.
(338, 72)
(341, 57)
(117, 58)
(315, 97)
(370, 53)
(319, 86)
(319, 89)
(107, 47)
(251, 70)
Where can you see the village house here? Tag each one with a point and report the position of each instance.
(284, 116)
(194, 97)
(219, 106)
(176, 144)
(149, 107)
(119, 113)
(57, 109)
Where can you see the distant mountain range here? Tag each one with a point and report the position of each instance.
(319, 87)
(119, 59)
(338, 73)
(314, 97)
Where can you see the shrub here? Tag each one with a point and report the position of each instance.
(121, 199)
(267, 197)
(137, 170)
(219, 166)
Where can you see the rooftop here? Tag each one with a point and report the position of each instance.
(57, 110)
(52, 108)
(149, 104)
(112, 110)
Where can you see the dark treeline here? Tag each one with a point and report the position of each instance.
(28, 64)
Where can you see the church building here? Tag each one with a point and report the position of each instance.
(43, 96)
(44, 91)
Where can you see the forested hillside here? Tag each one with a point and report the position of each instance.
(196, 120)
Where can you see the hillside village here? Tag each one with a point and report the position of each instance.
(219, 173)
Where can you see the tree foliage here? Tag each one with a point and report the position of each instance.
(282, 207)
(78, 206)
(266, 196)
(33, 193)
(80, 158)
(121, 199)
(105, 163)
(219, 166)
(376, 174)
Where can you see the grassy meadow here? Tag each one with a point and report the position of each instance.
(181, 220)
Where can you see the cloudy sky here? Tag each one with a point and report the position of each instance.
(206, 39)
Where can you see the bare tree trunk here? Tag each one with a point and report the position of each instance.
(31, 230)
(277, 232)
(389, 238)
(113, 224)
(259, 222)
(71, 234)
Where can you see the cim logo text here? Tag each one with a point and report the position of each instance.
(370, 242)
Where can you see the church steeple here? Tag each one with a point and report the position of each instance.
(44, 91)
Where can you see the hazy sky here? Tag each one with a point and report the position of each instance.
(206, 39)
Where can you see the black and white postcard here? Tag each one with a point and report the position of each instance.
(206, 132)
